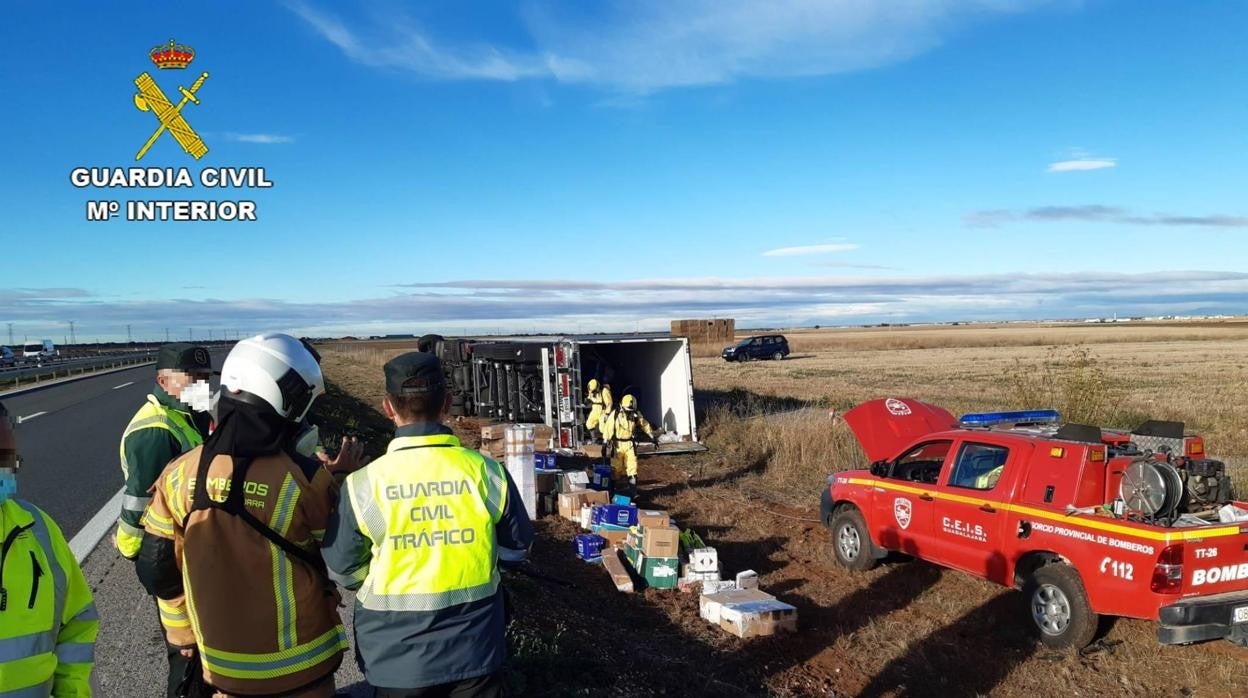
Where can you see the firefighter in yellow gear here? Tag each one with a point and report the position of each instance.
(600, 404)
(621, 427)
(48, 621)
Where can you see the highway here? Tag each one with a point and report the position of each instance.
(69, 434)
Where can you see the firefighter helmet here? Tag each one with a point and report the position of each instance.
(276, 370)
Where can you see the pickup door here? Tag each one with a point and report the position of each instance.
(969, 514)
(902, 500)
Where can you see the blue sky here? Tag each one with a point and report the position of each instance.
(464, 166)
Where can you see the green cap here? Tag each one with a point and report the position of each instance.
(414, 373)
(184, 357)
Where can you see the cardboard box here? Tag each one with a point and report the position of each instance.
(570, 503)
(573, 480)
(653, 517)
(592, 497)
(704, 560)
(592, 450)
(758, 618)
(490, 432)
(659, 572)
(619, 515)
(619, 574)
(660, 542)
(589, 546)
(747, 579)
(614, 538)
(711, 605)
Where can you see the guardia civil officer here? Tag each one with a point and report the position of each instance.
(172, 420)
(48, 621)
(419, 534)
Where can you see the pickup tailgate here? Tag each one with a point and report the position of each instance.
(1218, 563)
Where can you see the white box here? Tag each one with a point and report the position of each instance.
(704, 560)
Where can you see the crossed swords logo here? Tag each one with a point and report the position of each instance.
(151, 98)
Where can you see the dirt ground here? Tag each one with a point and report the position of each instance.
(904, 629)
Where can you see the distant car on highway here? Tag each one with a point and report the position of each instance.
(39, 352)
(7, 358)
(766, 346)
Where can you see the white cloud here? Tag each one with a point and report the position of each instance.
(804, 250)
(648, 45)
(562, 305)
(263, 138)
(1083, 164)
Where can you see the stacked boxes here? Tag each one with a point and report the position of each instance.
(494, 438)
(653, 549)
(518, 440)
(570, 503)
(716, 331)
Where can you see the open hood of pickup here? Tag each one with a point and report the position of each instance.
(887, 425)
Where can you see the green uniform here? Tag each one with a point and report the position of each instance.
(160, 431)
(47, 618)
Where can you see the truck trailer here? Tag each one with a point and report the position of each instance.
(543, 380)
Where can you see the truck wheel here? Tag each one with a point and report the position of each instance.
(1059, 608)
(777, 356)
(851, 544)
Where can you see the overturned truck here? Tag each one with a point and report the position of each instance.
(543, 380)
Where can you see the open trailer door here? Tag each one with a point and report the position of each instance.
(658, 372)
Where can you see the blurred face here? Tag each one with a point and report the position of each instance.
(173, 381)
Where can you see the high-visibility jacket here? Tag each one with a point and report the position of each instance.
(263, 621)
(48, 621)
(161, 430)
(419, 533)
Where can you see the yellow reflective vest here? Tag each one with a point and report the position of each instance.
(141, 475)
(429, 507)
(48, 621)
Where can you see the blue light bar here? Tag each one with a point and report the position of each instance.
(987, 419)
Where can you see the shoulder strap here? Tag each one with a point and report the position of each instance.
(234, 506)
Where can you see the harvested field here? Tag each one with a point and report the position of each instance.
(906, 628)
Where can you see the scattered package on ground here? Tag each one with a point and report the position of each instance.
(748, 613)
(615, 568)
(570, 503)
(589, 546)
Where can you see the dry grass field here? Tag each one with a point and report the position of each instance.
(907, 628)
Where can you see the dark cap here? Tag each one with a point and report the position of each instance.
(414, 373)
(184, 357)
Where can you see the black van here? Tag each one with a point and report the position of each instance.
(765, 346)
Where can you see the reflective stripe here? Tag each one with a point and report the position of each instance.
(173, 486)
(284, 512)
(496, 489)
(42, 690)
(131, 503)
(58, 575)
(23, 646)
(258, 666)
(284, 597)
(164, 527)
(75, 652)
(87, 614)
(349, 580)
(367, 513)
(171, 615)
(432, 601)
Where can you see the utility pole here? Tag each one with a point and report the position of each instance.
(209, 335)
(166, 335)
(129, 338)
(72, 339)
(190, 334)
(10, 334)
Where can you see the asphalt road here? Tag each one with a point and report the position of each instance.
(69, 437)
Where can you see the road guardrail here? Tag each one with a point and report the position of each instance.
(28, 375)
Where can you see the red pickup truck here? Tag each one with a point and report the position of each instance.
(1087, 522)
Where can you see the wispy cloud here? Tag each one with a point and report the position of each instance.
(1098, 213)
(262, 138)
(1083, 164)
(806, 250)
(515, 304)
(649, 45)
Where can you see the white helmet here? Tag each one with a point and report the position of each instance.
(276, 370)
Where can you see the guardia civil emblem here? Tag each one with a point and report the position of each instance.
(171, 56)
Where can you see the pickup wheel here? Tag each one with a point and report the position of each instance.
(1058, 606)
(851, 543)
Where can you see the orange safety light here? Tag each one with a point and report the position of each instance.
(1097, 456)
(1057, 452)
